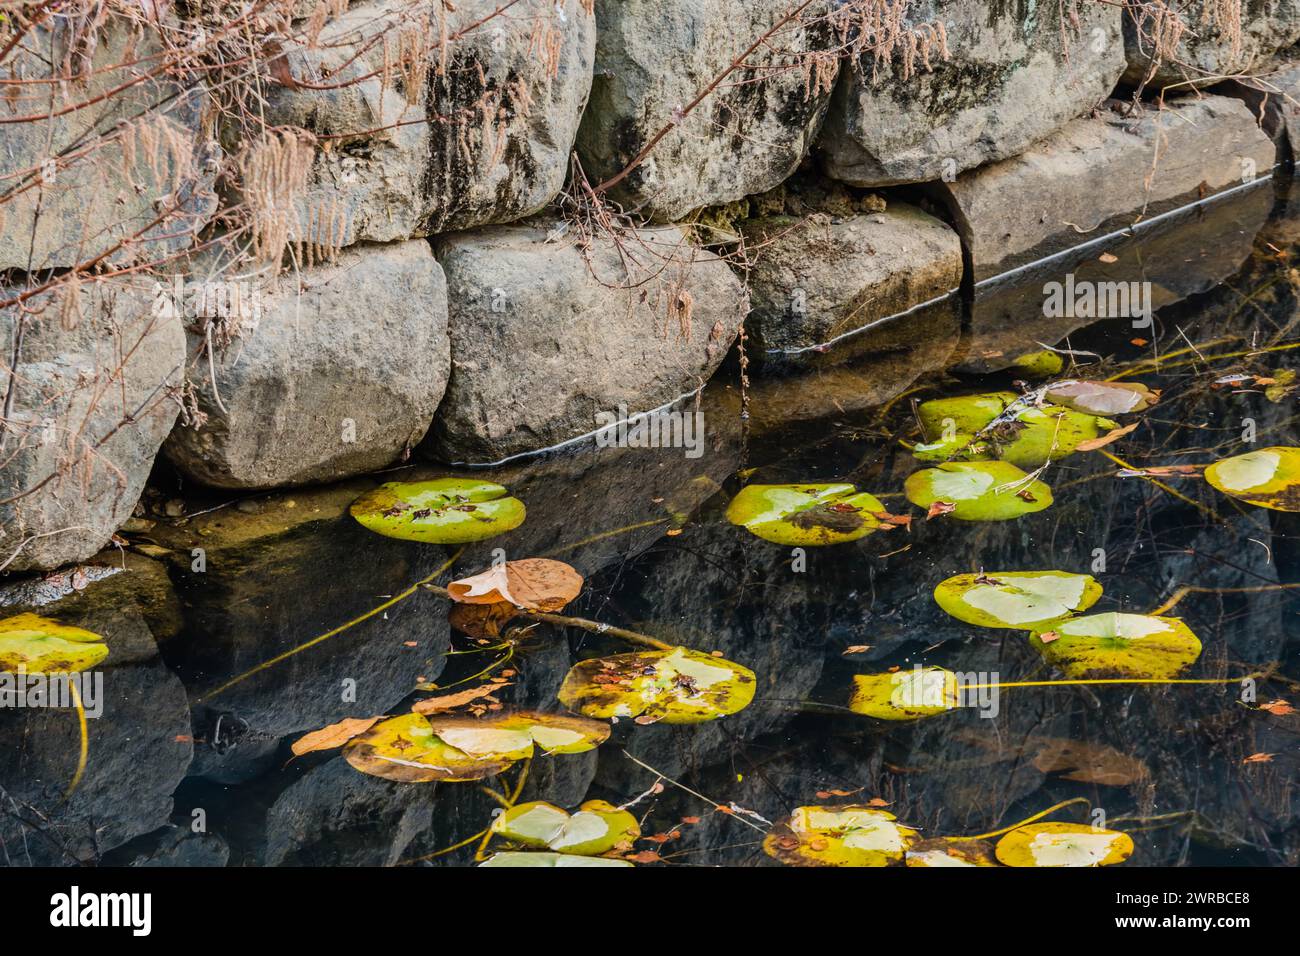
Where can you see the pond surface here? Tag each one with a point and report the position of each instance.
(208, 681)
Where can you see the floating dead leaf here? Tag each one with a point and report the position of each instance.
(1107, 258)
(335, 735)
(482, 620)
(438, 705)
(1113, 435)
(1259, 758)
(827, 794)
(538, 584)
(1048, 636)
(1278, 708)
(857, 649)
(1088, 762)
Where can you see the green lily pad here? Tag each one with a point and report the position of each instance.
(680, 686)
(1269, 478)
(906, 694)
(978, 490)
(942, 852)
(1063, 844)
(965, 414)
(598, 827)
(1016, 599)
(413, 748)
(38, 645)
(803, 515)
(1119, 645)
(1040, 364)
(1030, 437)
(1102, 398)
(549, 859)
(838, 836)
(441, 511)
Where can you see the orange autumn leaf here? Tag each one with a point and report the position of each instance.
(1278, 708)
(1258, 758)
(940, 508)
(436, 705)
(1092, 444)
(538, 584)
(335, 735)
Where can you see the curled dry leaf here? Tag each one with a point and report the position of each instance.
(940, 508)
(1278, 708)
(335, 735)
(1258, 758)
(538, 584)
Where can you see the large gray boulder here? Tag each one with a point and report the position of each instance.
(817, 278)
(484, 138)
(94, 393)
(547, 332)
(325, 373)
(89, 171)
(653, 57)
(1012, 77)
(1105, 173)
(1216, 39)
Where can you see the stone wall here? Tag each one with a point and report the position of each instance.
(507, 219)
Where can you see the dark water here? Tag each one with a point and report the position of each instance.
(646, 528)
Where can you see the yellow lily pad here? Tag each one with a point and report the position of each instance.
(510, 858)
(1269, 477)
(907, 694)
(679, 686)
(805, 515)
(1063, 844)
(1016, 599)
(441, 511)
(413, 748)
(941, 852)
(38, 645)
(839, 836)
(978, 490)
(1119, 645)
(598, 827)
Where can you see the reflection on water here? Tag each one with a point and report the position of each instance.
(208, 681)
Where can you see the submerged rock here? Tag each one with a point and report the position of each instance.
(139, 745)
(263, 585)
(1216, 39)
(102, 170)
(1013, 76)
(483, 137)
(93, 397)
(655, 56)
(1104, 173)
(548, 332)
(336, 371)
(818, 278)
